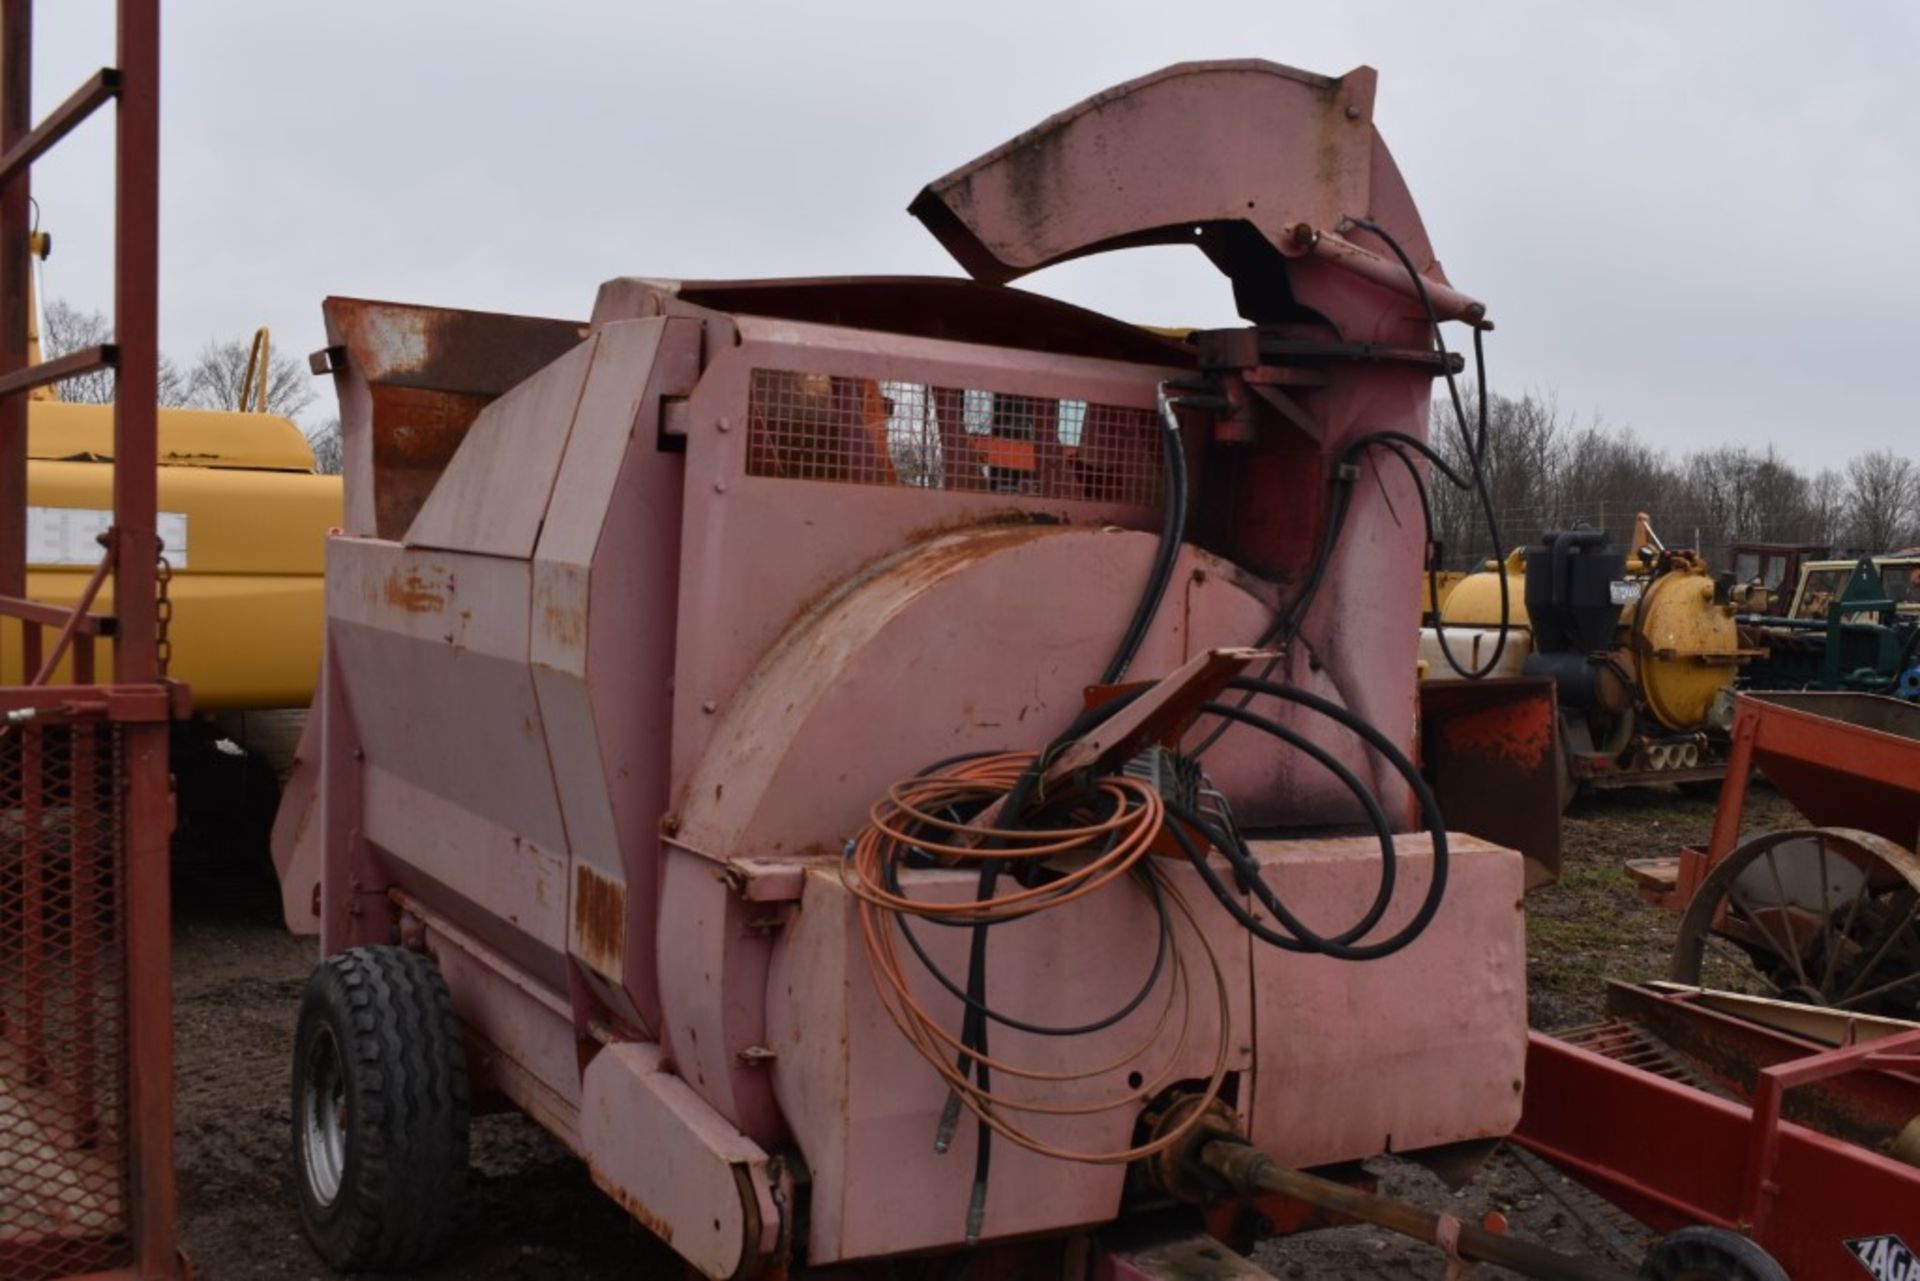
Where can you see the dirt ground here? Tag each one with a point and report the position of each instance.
(533, 1215)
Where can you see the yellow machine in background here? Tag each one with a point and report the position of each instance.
(244, 519)
(1651, 702)
(1435, 589)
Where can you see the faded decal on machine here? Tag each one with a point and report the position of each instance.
(60, 536)
(1888, 1258)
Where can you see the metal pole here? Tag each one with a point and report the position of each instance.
(16, 121)
(149, 825)
(136, 321)
(1249, 1170)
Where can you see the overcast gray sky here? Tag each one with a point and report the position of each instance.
(1694, 219)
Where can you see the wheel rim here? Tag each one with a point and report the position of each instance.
(1821, 916)
(323, 1117)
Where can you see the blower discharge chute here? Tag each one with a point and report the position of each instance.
(857, 756)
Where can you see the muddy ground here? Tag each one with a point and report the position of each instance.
(533, 1215)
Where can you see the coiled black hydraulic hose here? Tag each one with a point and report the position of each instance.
(1299, 937)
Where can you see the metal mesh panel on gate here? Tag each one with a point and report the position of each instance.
(63, 1156)
(865, 431)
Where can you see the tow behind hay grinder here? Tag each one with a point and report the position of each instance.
(794, 738)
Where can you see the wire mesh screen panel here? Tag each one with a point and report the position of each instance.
(63, 1157)
(865, 431)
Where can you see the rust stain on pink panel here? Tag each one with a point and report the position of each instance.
(599, 920)
(566, 627)
(633, 1205)
(406, 589)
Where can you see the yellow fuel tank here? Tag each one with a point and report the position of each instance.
(244, 519)
(1686, 646)
(1475, 599)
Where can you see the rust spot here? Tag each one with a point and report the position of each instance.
(567, 626)
(599, 920)
(1522, 735)
(411, 592)
(632, 1205)
(998, 516)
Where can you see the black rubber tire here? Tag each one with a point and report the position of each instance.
(402, 1109)
(1709, 1254)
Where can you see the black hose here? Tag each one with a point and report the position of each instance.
(1173, 530)
(1382, 826)
(1299, 936)
(973, 1031)
(1473, 444)
(1285, 626)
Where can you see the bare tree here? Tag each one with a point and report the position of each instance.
(1883, 489)
(325, 440)
(1545, 472)
(219, 376)
(65, 328)
(1826, 507)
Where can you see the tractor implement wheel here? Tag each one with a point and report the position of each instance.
(1709, 1254)
(379, 1110)
(1820, 915)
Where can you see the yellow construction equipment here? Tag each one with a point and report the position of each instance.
(1647, 696)
(244, 518)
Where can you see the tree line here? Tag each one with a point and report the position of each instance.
(213, 380)
(1545, 471)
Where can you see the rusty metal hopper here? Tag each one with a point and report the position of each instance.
(1844, 760)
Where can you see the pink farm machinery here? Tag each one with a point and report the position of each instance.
(885, 766)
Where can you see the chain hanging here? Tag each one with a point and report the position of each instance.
(162, 612)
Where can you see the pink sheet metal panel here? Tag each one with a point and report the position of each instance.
(493, 494)
(297, 850)
(607, 550)
(786, 540)
(630, 654)
(515, 890)
(796, 759)
(696, 1182)
(794, 762)
(1418, 1049)
(1058, 190)
(447, 634)
(1051, 191)
(1343, 1061)
(865, 1108)
(713, 966)
(518, 1028)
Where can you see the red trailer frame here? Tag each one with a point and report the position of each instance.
(1793, 1160)
(86, 1043)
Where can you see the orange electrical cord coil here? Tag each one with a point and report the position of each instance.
(916, 817)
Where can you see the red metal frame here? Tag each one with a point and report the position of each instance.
(1837, 771)
(1674, 1155)
(43, 723)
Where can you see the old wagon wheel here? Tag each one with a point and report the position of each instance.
(1821, 915)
